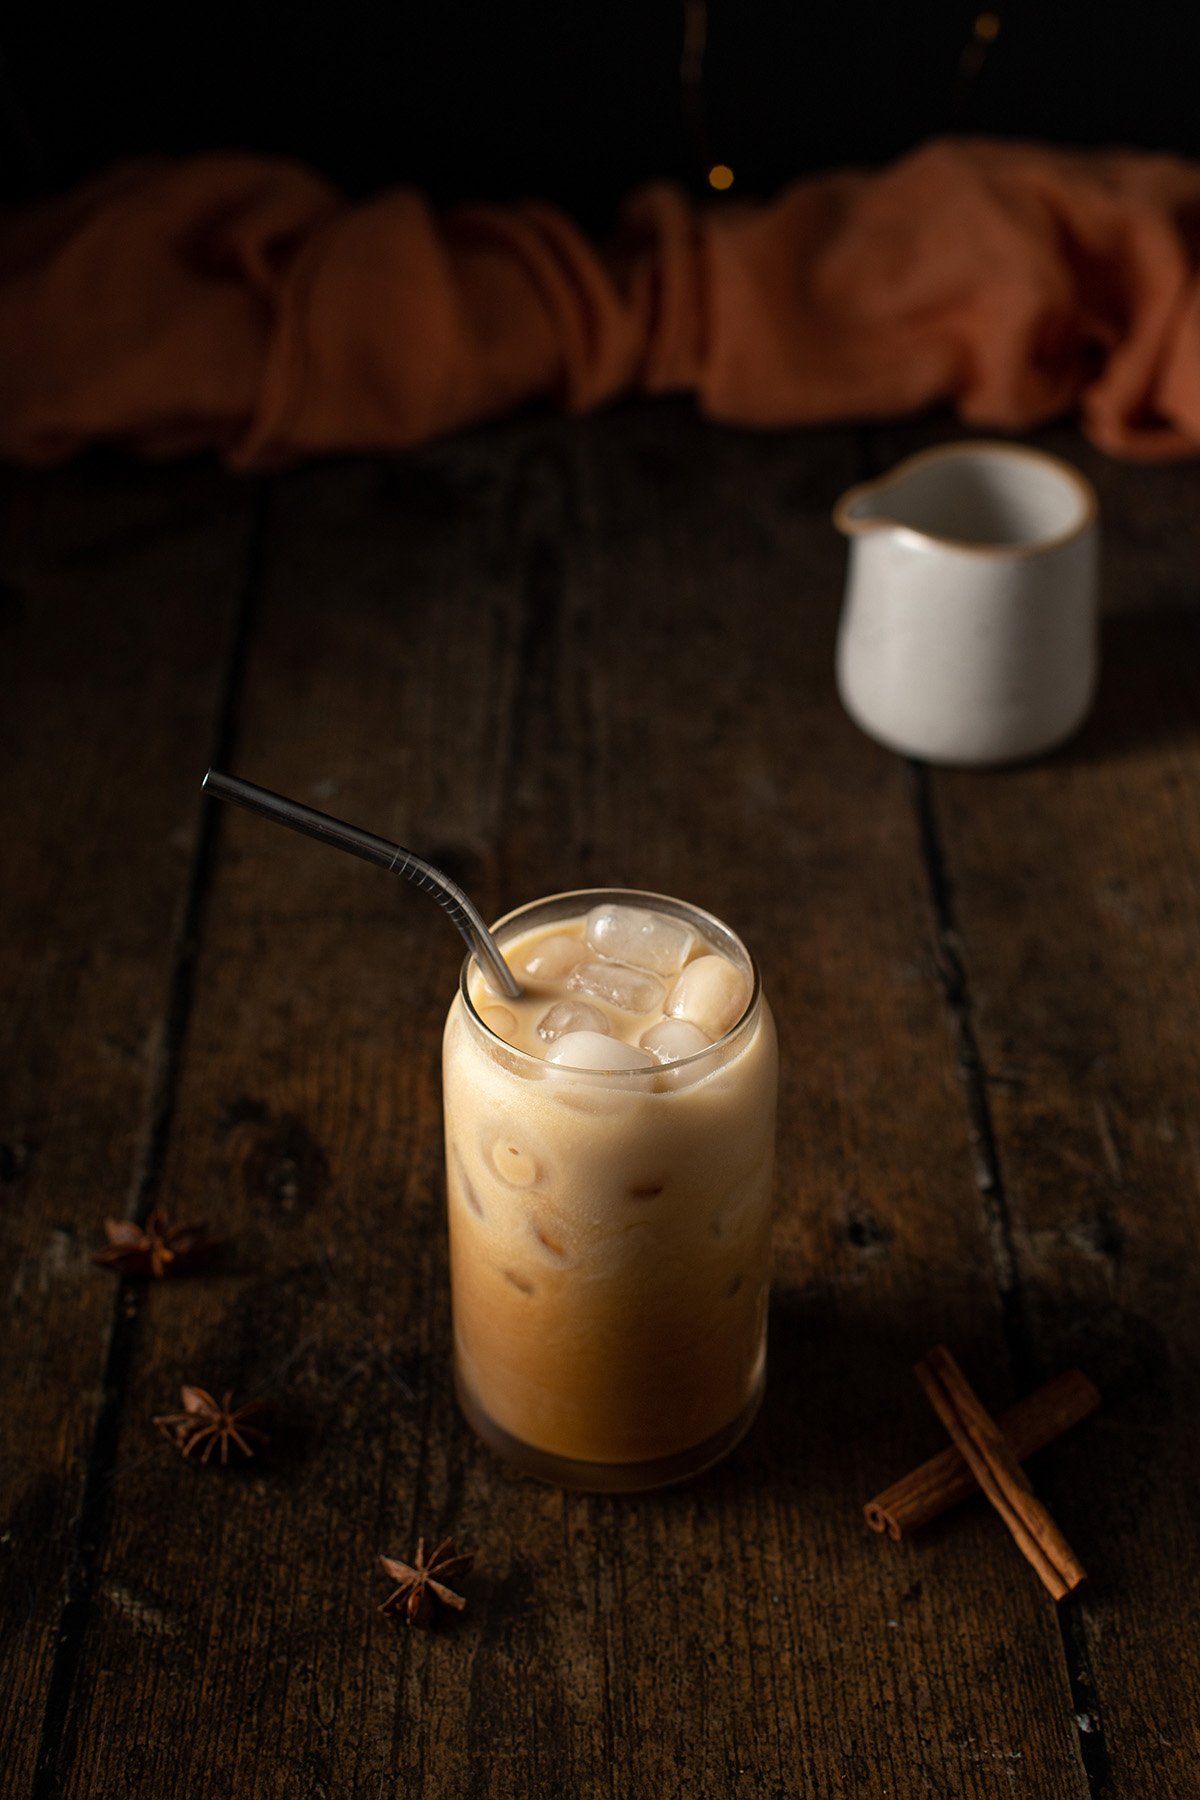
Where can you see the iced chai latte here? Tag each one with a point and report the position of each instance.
(609, 1148)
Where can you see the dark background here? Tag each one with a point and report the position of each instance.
(579, 101)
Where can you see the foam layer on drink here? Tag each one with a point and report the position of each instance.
(609, 1218)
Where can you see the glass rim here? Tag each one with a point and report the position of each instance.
(632, 896)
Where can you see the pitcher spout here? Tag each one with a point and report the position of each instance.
(863, 508)
(976, 497)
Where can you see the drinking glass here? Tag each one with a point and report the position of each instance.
(609, 1233)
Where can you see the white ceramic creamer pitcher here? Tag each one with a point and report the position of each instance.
(969, 630)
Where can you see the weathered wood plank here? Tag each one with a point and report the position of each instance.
(1074, 892)
(118, 595)
(554, 653)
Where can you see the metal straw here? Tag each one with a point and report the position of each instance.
(392, 857)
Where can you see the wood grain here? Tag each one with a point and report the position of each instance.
(546, 654)
(118, 598)
(1072, 896)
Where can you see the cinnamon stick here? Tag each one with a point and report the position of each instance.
(982, 1446)
(925, 1493)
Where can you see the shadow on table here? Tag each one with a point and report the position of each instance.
(1148, 697)
(841, 1398)
(843, 1416)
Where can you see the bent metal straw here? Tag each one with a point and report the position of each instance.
(392, 857)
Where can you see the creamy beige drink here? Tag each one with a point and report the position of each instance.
(609, 1147)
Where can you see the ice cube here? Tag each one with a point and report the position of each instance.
(555, 956)
(644, 940)
(500, 1020)
(514, 1163)
(572, 1015)
(711, 993)
(468, 1192)
(549, 1239)
(670, 1040)
(629, 990)
(589, 1050)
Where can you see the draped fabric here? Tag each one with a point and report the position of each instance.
(242, 303)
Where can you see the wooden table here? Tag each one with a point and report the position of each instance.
(548, 654)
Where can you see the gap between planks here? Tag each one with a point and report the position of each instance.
(1017, 1323)
(1019, 1335)
(56, 1748)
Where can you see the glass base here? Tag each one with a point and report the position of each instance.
(606, 1478)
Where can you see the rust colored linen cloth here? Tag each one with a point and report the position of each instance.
(242, 303)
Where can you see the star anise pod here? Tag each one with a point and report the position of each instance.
(203, 1421)
(423, 1586)
(154, 1248)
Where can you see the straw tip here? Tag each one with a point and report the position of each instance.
(207, 778)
